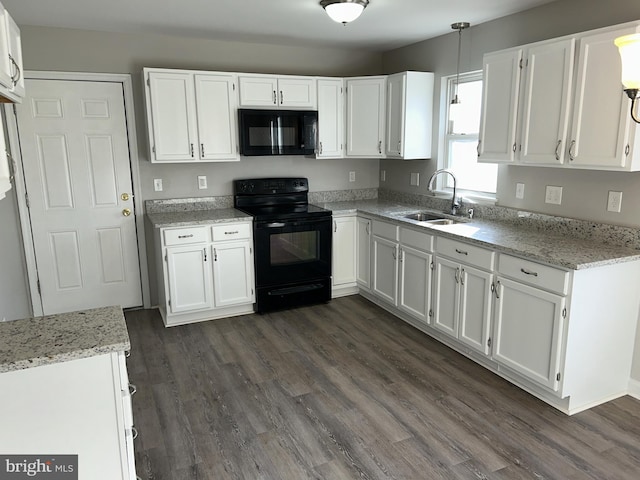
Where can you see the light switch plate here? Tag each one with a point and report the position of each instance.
(614, 202)
(157, 184)
(202, 182)
(352, 176)
(415, 179)
(383, 175)
(520, 191)
(553, 195)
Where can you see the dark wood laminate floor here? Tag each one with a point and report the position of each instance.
(347, 391)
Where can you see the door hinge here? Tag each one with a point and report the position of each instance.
(558, 376)
(564, 312)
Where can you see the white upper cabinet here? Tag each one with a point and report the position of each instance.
(5, 172)
(571, 110)
(500, 91)
(366, 116)
(277, 91)
(546, 102)
(330, 118)
(11, 70)
(409, 115)
(191, 117)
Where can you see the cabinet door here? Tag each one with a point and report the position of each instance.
(297, 92)
(446, 296)
(396, 91)
(189, 278)
(385, 268)
(330, 118)
(258, 91)
(5, 172)
(500, 91)
(344, 251)
(173, 117)
(232, 273)
(365, 117)
(15, 57)
(528, 331)
(601, 122)
(545, 102)
(414, 296)
(475, 308)
(216, 110)
(5, 63)
(363, 264)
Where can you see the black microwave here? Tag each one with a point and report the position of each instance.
(277, 132)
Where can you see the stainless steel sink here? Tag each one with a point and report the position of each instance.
(424, 217)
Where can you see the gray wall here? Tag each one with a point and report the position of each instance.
(584, 192)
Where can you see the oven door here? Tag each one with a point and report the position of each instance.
(292, 251)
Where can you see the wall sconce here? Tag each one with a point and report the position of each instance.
(629, 48)
(344, 11)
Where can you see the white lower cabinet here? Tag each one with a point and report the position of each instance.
(528, 331)
(79, 407)
(205, 272)
(415, 273)
(384, 261)
(344, 257)
(462, 299)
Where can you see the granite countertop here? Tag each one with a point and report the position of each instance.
(197, 217)
(32, 342)
(551, 248)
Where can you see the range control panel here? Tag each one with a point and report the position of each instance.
(270, 186)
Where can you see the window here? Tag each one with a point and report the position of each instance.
(462, 125)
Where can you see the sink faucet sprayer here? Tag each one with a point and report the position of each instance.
(454, 204)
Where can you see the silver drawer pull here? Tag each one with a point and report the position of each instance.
(462, 252)
(185, 236)
(134, 431)
(275, 225)
(232, 233)
(132, 389)
(527, 272)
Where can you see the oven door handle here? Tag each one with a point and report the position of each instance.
(275, 225)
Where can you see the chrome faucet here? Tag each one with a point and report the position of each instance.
(455, 206)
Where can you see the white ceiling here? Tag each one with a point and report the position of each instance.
(384, 25)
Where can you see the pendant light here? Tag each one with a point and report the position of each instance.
(344, 11)
(459, 26)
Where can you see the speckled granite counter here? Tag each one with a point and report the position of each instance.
(32, 342)
(551, 248)
(197, 217)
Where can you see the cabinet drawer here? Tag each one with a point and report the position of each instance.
(231, 231)
(385, 230)
(535, 274)
(419, 240)
(463, 252)
(184, 236)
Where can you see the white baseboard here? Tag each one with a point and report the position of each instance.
(634, 388)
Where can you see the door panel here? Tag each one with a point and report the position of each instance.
(232, 266)
(75, 155)
(446, 296)
(475, 308)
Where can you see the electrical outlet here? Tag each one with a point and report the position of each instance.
(520, 190)
(352, 176)
(157, 184)
(202, 182)
(614, 202)
(415, 179)
(553, 195)
(383, 175)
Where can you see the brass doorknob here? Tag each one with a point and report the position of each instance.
(126, 212)
(124, 196)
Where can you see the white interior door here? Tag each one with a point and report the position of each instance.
(76, 164)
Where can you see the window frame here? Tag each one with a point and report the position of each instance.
(447, 90)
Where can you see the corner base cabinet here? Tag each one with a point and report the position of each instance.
(205, 272)
(80, 407)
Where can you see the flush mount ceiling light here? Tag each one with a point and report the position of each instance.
(629, 48)
(344, 11)
(459, 26)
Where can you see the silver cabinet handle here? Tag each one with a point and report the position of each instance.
(558, 149)
(215, 255)
(395, 255)
(320, 151)
(335, 226)
(281, 98)
(529, 272)
(275, 99)
(572, 157)
(498, 289)
(186, 236)
(380, 146)
(462, 252)
(134, 430)
(202, 150)
(132, 389)
(399, 145)
(192, 150)
(368, 227)
(457, 275)
(275, 225)
(478, 147)
(205, 254)
(462, 277)
(18, 72)
(401, 255)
